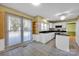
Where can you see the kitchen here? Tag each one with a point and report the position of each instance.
(61, 31)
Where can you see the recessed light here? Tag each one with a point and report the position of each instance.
(62, 17)
(36, 4)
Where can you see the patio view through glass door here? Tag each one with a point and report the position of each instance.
(18, 30)
(27, 30)
(14, 30)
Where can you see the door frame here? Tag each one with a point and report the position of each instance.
(6, 32)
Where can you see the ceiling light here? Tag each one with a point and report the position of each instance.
(36, 4)
(62, 17)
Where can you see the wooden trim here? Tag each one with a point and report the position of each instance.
(2, 28)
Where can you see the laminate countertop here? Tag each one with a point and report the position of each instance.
(64, 34)
(50, 31)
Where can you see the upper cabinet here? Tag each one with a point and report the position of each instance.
(39, 24)
(63, 24)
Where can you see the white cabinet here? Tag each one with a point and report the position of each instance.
(43, 26)
(50, 25)
(43, 37)
(64, 24)
(62, 42)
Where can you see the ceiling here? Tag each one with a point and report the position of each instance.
(51, 11)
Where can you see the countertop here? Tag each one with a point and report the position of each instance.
(64, 34)
(50, 31)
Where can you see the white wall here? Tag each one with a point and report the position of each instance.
(77, 32)
(2, 44)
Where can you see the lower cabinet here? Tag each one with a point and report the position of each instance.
(43, 37)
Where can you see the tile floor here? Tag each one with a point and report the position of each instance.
(37, 49)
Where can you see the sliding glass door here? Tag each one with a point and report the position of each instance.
(14, 30)
(19, 30)
(27, 30)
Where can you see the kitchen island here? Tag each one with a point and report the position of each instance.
(43, 37)
(61, 38)
(62, 42)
